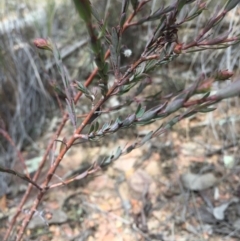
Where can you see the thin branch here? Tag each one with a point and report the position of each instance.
(64, 120)
(10, 140)
(41, 165)
(22, 176)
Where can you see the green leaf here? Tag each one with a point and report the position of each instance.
(206, 110)
(146, 138)
(71, 112)
(129, 120)
(125, 88)
(91, 129)
(113, 53)
(147, 122)
(130, 148)
(172, 122)
(119, 121)
(123, 19)
(181, 4)
(157, 14)
(148, 115)
(125, 4)
(140, 112)
(106, 161)
(231, 4)
(206, 95)
(105, 126)
(118, 153)
(84, 9)
(138, 108)
(82, 88)
(114, 38)
(114, 127)
(134, 4)
(174, 106)
(105, 68)
(96, 126)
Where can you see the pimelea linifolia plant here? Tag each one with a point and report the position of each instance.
(163, 47)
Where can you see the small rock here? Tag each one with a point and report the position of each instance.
(198, 182)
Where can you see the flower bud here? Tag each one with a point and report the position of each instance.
(202, 6)
(178, 49)
(223, 74)
(42, 43)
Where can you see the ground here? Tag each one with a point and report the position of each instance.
(146, 195)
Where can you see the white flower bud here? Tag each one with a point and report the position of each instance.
(127, 52)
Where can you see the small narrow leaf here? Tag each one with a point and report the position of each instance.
(82, 88)
(106, 161)
(174, 106)
(71, 112)
(114, 127)
(105, 126)
(231, 4)
(130, 148)
(134, 4)
(146, 138)
(123, 19)
(125, 4)
(84, 9)
(129, 120)
(99, 133)
(147, 116)
(114, 37)
(138, 108)
(152, 112)
(119, 121)
(106, 68)
(140, 113)
(160, 12)
(91, 129)
(206, 110)
(113, 55)
(118, 153)
(96, 126)
(181, 4)
(206, 95)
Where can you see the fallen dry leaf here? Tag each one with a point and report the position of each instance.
(198, 182)
(219, 211)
